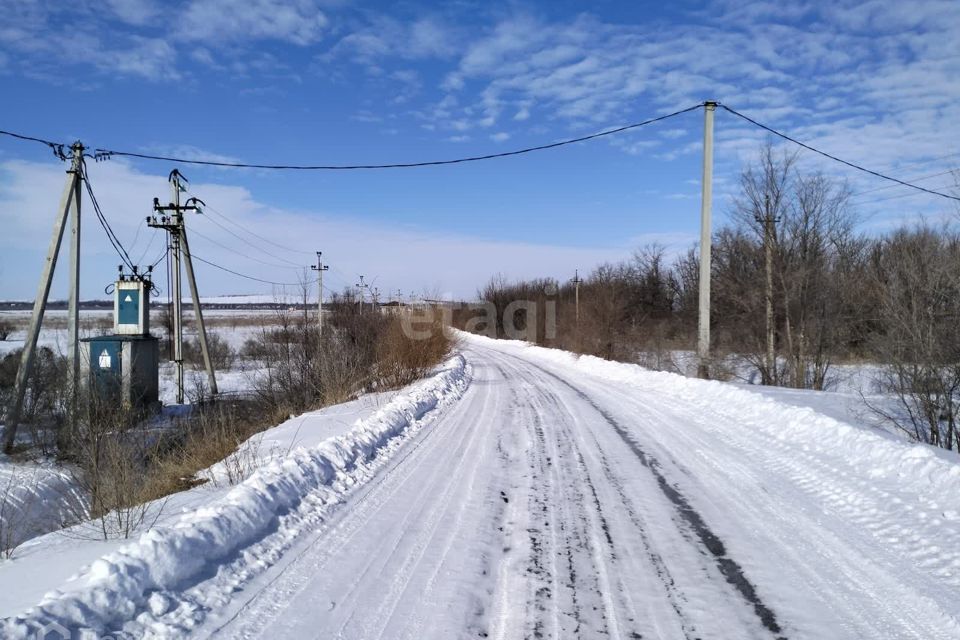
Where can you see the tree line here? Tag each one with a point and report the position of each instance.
(796, 288)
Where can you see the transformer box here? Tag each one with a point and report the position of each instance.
(124, 368)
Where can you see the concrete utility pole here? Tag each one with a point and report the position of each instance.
(69, 200)
(180, 251)
(361, 286)
(706, 205)
(320, 268)
(768, 220)
(576, 289)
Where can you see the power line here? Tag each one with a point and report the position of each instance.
(111, 235)
(56, 147)
(893, 197)
(194, 231)
(894, 186)
(107, 153)
(153, 236)
(836, 159)
(209, 209)
(213, 210)
(243, 275)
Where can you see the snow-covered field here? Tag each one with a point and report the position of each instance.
(523, 492)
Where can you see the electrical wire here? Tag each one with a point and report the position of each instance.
(290, 263)
(894, 186)
(210, 209)
(111, 235)
(103, 154)
(243, 275)
(163, 255)
(193, 231)
(56, 147)
(893, 197)
(836, 159)
(153, 236)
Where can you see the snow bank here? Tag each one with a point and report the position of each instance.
(119, 584)
(35, 498)
(921, 468)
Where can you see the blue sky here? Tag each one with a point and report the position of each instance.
(340, 82)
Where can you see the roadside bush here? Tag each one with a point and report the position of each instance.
(409, 347)
(6, 328)
(110, 451)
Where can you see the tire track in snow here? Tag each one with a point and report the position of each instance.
(727, 566)
(566, 482)
(863, 577)
(350, 519)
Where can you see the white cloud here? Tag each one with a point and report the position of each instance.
(151, 58)
(136, 12)
(878, 83)
(298, 22)
(189, 152)
(500, 136)
(399, 257)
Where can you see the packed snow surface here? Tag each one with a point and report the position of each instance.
(523, 492)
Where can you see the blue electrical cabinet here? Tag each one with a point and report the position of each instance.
(106, 365)
(131, 307)
(123, 368)
(128, 306)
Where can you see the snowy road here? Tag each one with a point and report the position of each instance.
(549, 502)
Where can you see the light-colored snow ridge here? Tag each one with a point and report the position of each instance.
(129, 581)
(924, 469)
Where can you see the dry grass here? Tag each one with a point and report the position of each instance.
(408, 349)
(214, 434)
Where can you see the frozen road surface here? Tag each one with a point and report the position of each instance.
(564, 498)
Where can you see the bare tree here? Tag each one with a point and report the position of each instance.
(801, 221)
(916, 276)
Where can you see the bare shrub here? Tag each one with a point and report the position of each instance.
(916, 274)
(6, 328)
(44, 401)
(222, 354)
(409, 347)
(111, 450)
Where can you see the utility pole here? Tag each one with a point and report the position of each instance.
(73, 304)
(361, 286)
(70, 200)
(320, 268)
(768, 220)
(180, 251)
(576, 289)
(706, 204)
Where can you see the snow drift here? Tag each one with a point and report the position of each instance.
(119, 585)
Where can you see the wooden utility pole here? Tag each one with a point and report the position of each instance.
(576, 293)
(320, 268)
(706, 204)
(70, 200)
(180, 252)
(768, 220)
